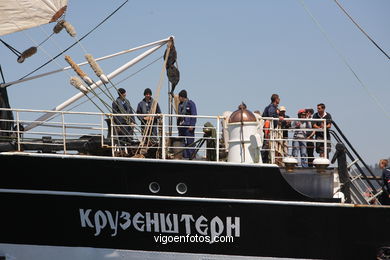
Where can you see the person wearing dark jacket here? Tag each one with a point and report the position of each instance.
(123, 123)
(145, 107)
(186, 125)
(385, 197)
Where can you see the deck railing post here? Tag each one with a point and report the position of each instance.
(325, 141)
(18, 129)
(272, 141)
(163, 154)
(102, 129)
(63, 131)
(112, 135)
(217, 141)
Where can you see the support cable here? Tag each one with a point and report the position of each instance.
(62, 52)
(361, 29)
(15, 51)
(346, 63)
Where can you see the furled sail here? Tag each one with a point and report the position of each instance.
(18, 15)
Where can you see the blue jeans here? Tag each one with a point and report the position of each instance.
(301, 147)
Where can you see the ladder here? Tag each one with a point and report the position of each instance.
(365, 186)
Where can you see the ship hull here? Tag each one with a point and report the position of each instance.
(146, 224)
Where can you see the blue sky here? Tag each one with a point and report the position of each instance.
(233, 51)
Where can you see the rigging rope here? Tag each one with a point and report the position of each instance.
(361, 29)
(15, 51)
(149, 124)
(62, 52)
(373, 97)
(2, 75)
(118, 83)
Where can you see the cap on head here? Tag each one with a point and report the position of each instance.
(121, 91)
(183, 93)
(301, 111)
(147, 91)
(282, 108)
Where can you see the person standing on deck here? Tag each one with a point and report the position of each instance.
(385, 198)
(145, 107)
(270, 111)
(310, 145)
(124, 123)
(186, 125)
(321, 114)
(299, 145)
(285, 124)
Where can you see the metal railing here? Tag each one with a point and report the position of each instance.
(283, 141)
(366, 186)
(118, 135)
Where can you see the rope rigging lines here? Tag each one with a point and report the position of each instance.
(360, 28)
(79, 40)
(345, 61)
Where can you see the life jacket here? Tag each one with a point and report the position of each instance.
(266, 128)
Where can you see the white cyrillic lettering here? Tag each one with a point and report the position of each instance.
(100, 221)
(84, 218)
(166, 220)
(216, 227)
(150, 222)
(230, 226)
(137, 221)
(113, 223)
(201, 227)
(126, 216)
(187, 219)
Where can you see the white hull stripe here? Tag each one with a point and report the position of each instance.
(190, 199)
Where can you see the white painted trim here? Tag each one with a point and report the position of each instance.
(190, 199)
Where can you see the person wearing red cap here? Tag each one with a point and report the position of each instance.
(300, 133)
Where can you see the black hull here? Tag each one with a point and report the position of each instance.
(63, 210)
(133, 176)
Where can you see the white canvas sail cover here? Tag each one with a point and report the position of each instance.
(18, 15)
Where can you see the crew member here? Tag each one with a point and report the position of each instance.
(186, 125)
(124, 124)
(385, 198)
(145, 107)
